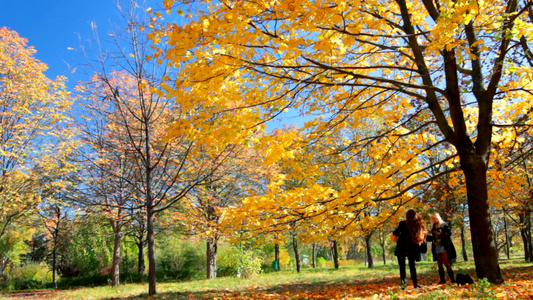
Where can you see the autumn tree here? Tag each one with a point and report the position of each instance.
(242, 174)
(434, 69)
(108, 176)
(32, 108)
(55, 218)
(512, 184)
(157, 138)
(57, 189)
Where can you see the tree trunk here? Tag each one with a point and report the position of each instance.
(211, 257)
(140, 259)
(463, 243)
(117, 248)
(296, 253)
(383, 248)
(276, 256)
(507, 240)
(525, 232)
(151, 251)
(314, 255)
(212, 218)
(369, 256)
(481, 230)
(335, 253)
(355, 256)
(54, 265)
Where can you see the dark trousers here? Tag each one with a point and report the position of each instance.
(412, 268)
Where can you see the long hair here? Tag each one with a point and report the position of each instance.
(437, 216)
(416, 226)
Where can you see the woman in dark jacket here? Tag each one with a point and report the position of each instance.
(409, 235)
(442, 247)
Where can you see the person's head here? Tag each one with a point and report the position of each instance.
(435, 218)
(416, 226)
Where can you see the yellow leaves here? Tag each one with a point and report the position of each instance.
(168, 3)
(205, 23)
(240, 60)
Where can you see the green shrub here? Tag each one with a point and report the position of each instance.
(179, 260)
(87, 250)
(27, 284)
(321, 262)
(21, 284)
(90, 280)
(30, 271)
(249, 264)
(227, 261)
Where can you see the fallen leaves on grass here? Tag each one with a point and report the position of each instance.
(518, 285)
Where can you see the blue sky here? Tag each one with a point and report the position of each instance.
(57, 28)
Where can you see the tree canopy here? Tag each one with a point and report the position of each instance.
(432, 78)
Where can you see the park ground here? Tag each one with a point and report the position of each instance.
(348, 282)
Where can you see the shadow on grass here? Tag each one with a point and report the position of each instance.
(381, 282)
(360, 288)
(355, 288)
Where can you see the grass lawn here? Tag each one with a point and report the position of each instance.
(348, 282)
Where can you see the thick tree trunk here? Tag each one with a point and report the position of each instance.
(335, 253)
(368, 245)
(211, 257)
(296, 253)
(485, 250)
(117, 248)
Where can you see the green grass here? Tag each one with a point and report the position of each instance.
(283, 282)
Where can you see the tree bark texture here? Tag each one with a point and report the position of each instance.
(141, 266)
(211, 257)
(463, 243)
(485, 250)
(117, 248)
(368, 244)
(314, 255)
(296, 253)
(276, 256)
(525, 232)
(335, 252)
(152, 278)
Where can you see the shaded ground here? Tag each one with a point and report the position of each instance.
(518, 285)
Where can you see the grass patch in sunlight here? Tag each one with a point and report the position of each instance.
(350, 281)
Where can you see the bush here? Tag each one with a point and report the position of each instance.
(27, 284)
(22, 284)
(38, 272)
(250, 264)
(91, 280)
(227, 261)
(30, 275)
(321, 262)
(181, 261)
